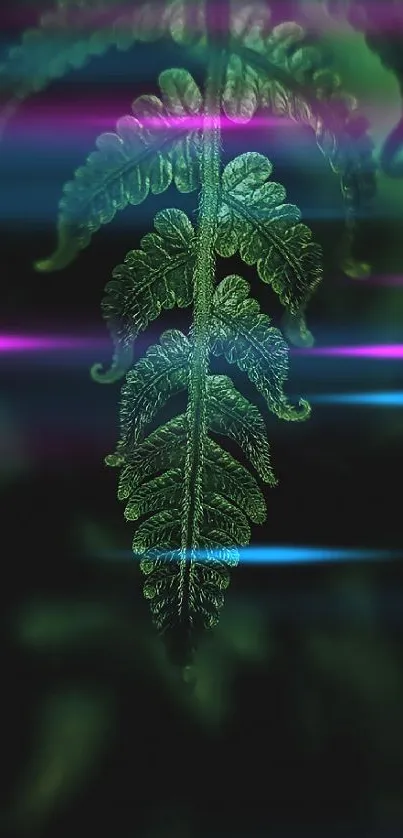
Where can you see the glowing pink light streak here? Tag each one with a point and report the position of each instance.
(10, 344)
(76, 122)
(392, 351)
(47, 343)
(385, 15)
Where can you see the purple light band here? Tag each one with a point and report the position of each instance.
(389, 279)
(384, 16)
(393, 351)
(10, 344)
(74, 123)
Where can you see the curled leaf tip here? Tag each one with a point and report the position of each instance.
(296, 330)
(304, 409)
(106, 376)
(295, 412)
(65, 253)
(355, 269)
(61, 258)
(122, 361)
(114, 460)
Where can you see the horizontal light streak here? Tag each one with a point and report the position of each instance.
(282, 555)
(10, 343)
(389, 351)
(380, 398)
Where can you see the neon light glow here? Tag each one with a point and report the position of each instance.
(393, 398)
(282, 555)
(393, 351)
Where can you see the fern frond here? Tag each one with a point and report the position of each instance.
(244, 336)
(185, 594)
(68, 37)
(254, 221)
(151, 149)
(279, 73)
(158, 276)
(185, 586)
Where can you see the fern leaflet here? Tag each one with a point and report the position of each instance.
(156, 277)
(254, 220)
(151, 149)
(244, 336)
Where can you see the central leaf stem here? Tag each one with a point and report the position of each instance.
(204, 274)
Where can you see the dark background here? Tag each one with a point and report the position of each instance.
(295, 726)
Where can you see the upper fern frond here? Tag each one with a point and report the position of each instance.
(68, 37)
(158, 276)
(156, 146)
(278, 71)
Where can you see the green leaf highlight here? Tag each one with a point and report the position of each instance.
(254, 221)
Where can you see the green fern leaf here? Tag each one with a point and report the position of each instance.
(159, 375)
(150, 150)
(157, 277)
(185, 596)
(163, 528)
(249, 24)
(68, 37)
(229, 413)
(223, 517)
(244, 336)
(159, 493)
(156, 453)
(221, 469)
(254, 220)
(185, 593)
(241, 488)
